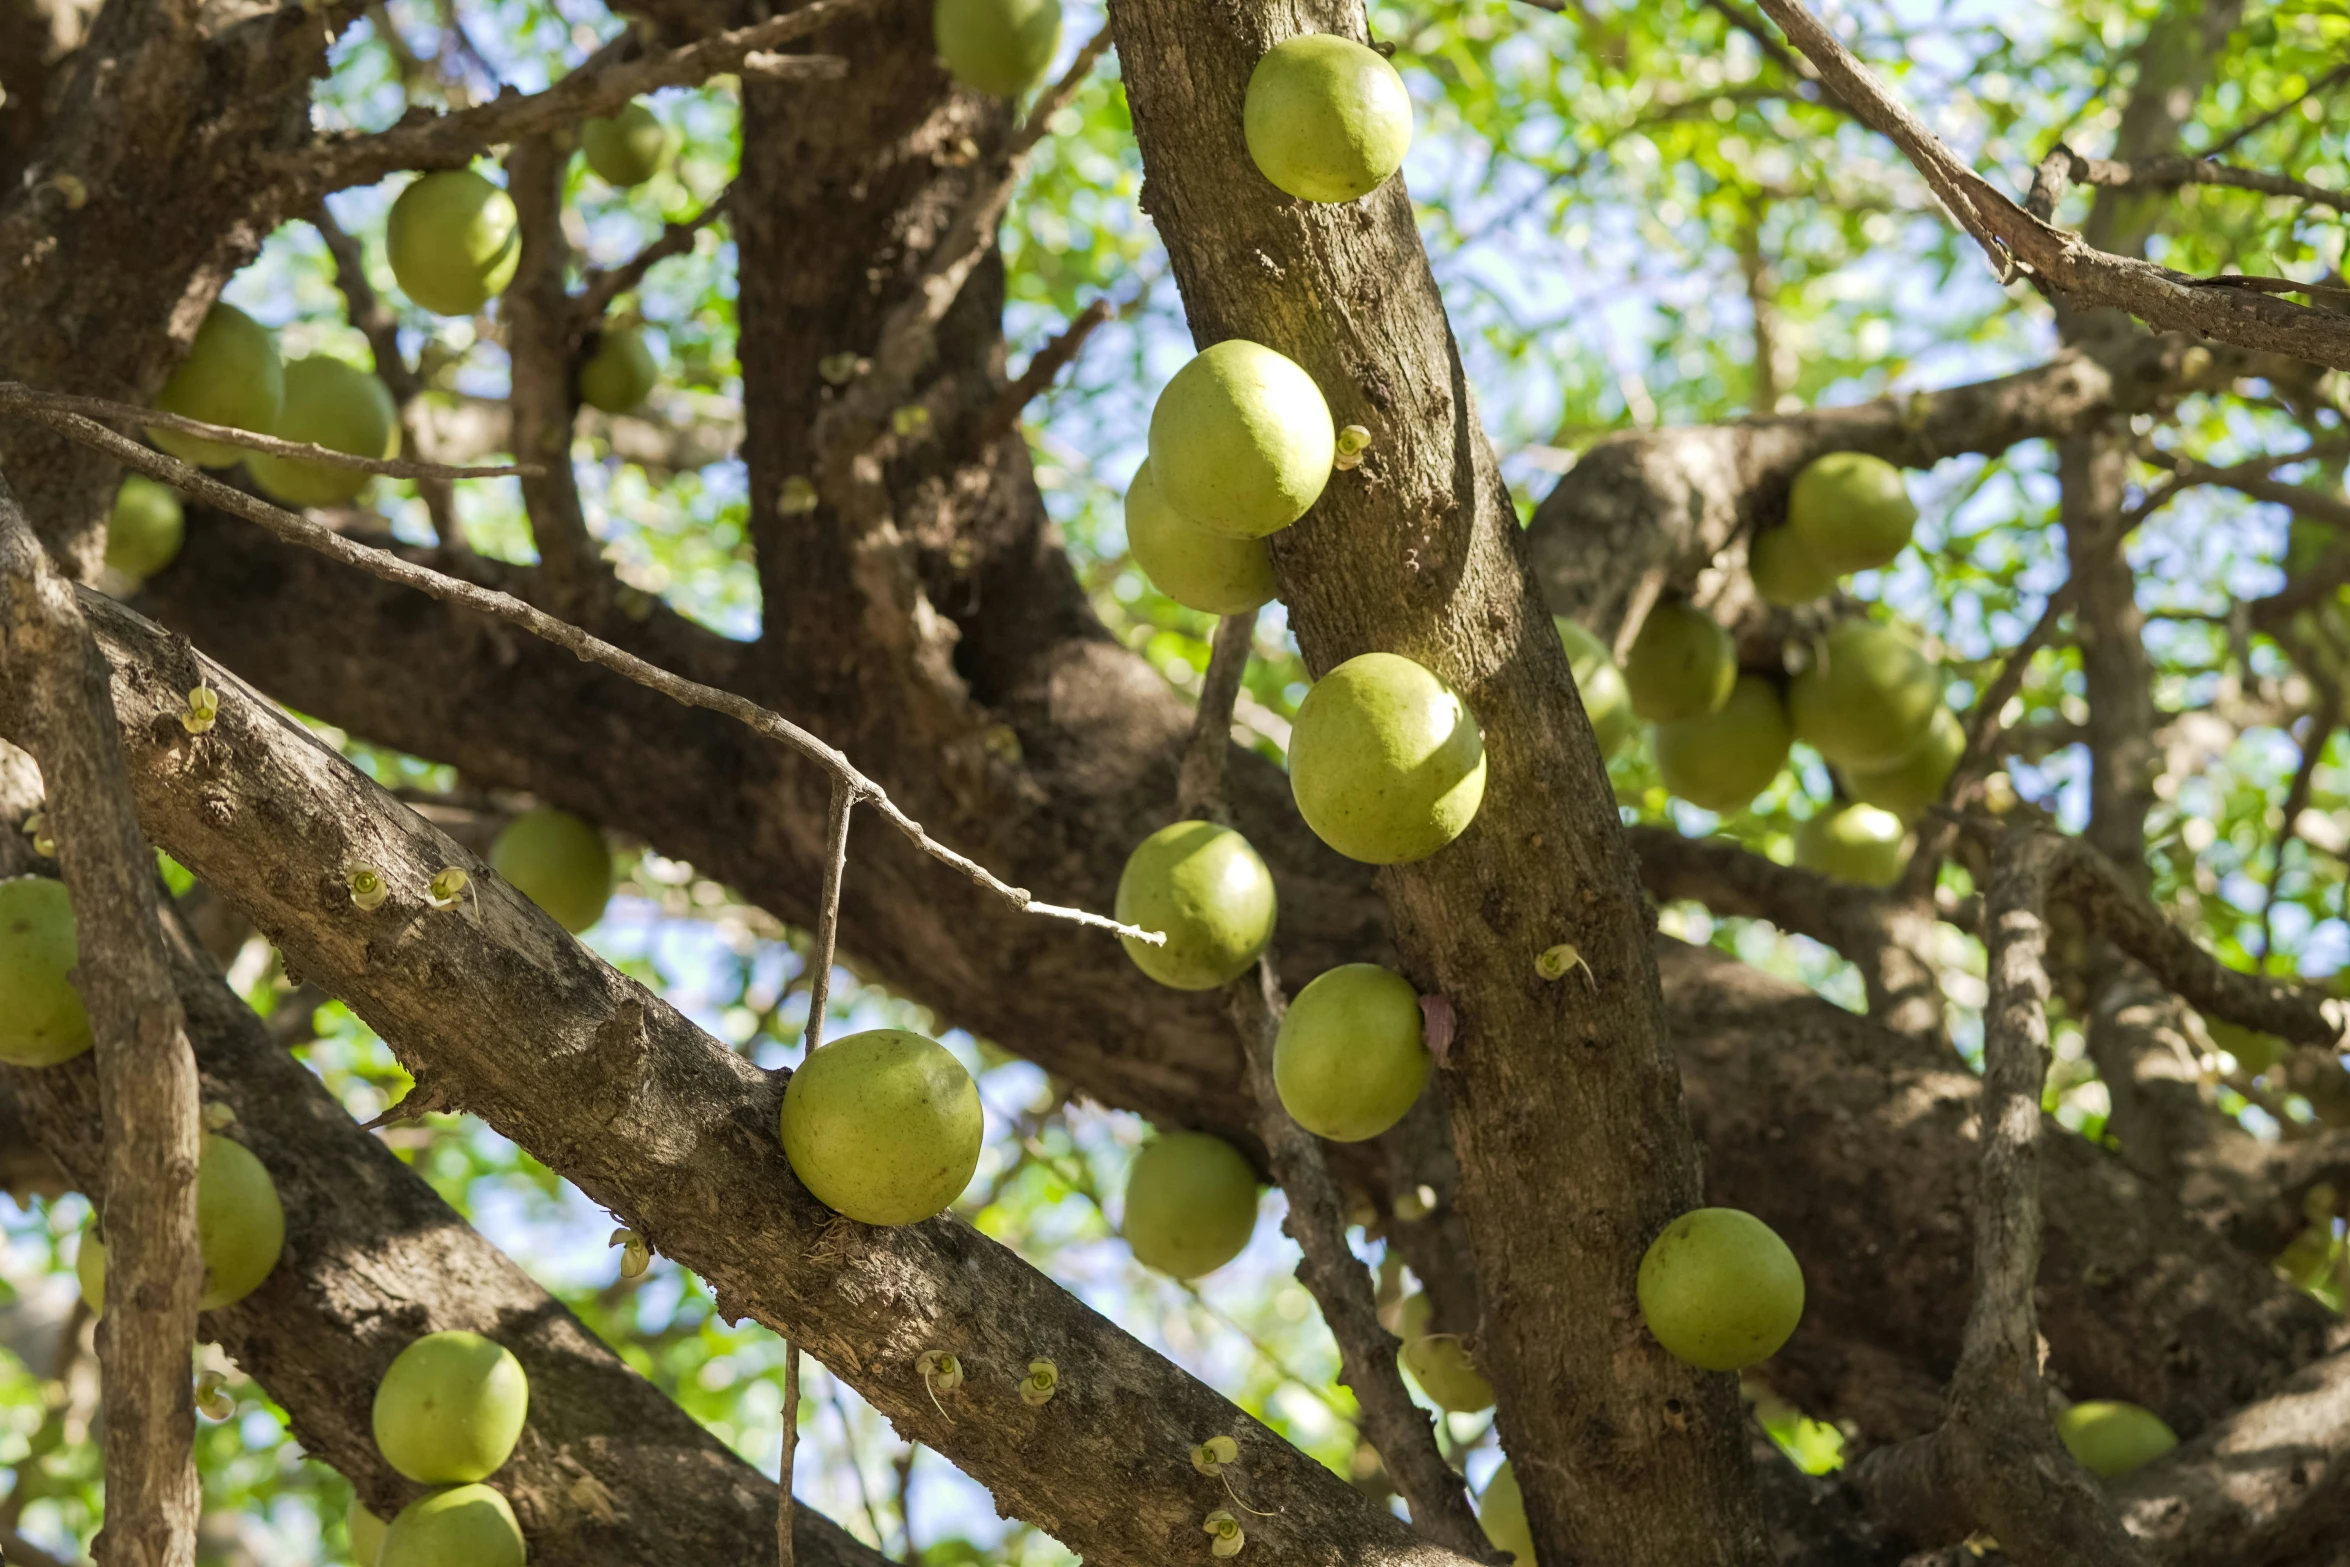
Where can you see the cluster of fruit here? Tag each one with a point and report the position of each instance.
(447, 1414)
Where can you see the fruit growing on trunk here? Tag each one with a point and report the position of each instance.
(453, 240)
(1681, 665)
(621, 373)
(1326, 119)
(997, 46)
(1205, 888)
(1241, 441)
(1386, 762)
(329, 404)
(884, 1126)
(43, 1022)
(2110, 1439)
(1723, 759)
(240, 1229)
(1349, 1059)
(1502, 1510)
(559, 862)
(1784, 570)
(366, 1532)
(1213, 573)
(450, 1408)
(1851, 511)
(1606, 701)
(1868, 698)
(1720, 1290)
(1853, 843)
(1915, 782)
(231, 377)
(627, 149)
(464, 1526)
(146, 527)
(1440, 1363)
(1191, 1204)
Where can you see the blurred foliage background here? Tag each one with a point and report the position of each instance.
(1640, 216)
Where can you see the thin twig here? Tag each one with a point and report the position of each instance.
(2229, 142)
(785, 1551)
(599, 289)
(999, 417)
(2162, 174)
(388, 567)
(836, 857)
(32, 401)
(2313, 749)
(1199, 788)
(147, 1085)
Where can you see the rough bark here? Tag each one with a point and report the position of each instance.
(144, 1075)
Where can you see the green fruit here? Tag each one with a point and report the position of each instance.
(2110, 1439)
(1868, 699)
(1241, 441)
(1720, 1290)
(464, 1526)
(1441, 1364)
(1210, 572)
(146, 528)
(883, 1126)
(1349, 1060)
(1326, 119)
(1851, 511)
(454, 240)
(1915, 782)
(366, 1532)
(240, 1229)
(997, 46)
(1682, 665)
(1386, 762)
(1502, 1510)
(1724, 758)
(558, 862)
(329, 404)
(43, 1022)
(450, 1408)
(1606, 700)
(1853, 843)
(621, 373)
(1784, 570)
(231, 377)
(1191, 1204)
(1205, 887)
(627, 148)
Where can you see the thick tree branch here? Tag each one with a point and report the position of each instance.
(541, 337)
(146, 1076)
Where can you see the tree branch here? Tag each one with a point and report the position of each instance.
(540, 338)
(2166, 174)
(146, 1073)
(1000, 417)
(598, 289)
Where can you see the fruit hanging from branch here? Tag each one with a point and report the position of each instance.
(450, 1408)
(367, 1534)
(1720, 1290)
(1851, 511)
(559, 862)
(1191, 1204)
(1915, 782)
(1241, 441)
(454, 240)
(1849, 842)
(1440, 1363)
(1607, 702)
(884, 1126)
(626, 149)
(1349, 1059)
(145, 529)
(1784, 570)
(1868, 698)
(1721, 760)
(1326, 119)
(1681, 665)
(43, 1021)
(1213, 573)
(1502, 1512)
(329, 404)
(232, 376)
(240, 1229)
(1001, 47)
(1385, 760)
(464, 1526)
(621, 373)
(1205, 887)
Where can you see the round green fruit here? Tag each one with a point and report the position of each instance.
(997, 46)
(2110, 1439)
(367, 1534)
(1349, 1059)
(1210, 572)
(1441, 1364)
(883, 1126)
(1191, 1204)
(1607, 702)
(1241, 441)
(626, 149)
(1386, 762)
(1206, 889)
(43, 1022)
(1851, 511)
(464, 1526)
(454, 240)
(1682, 665)
(1724, 758)
(1502, 1510)
(1720, 1290)
(1784, 570)
(1853, 843)
(1868, 699)
(146, 528)
(231, 377)
(559, 862)
(621, 373)
(1326, 119)
(240, 1229)
(450, 1408)
(329, 404)
(1915, 782)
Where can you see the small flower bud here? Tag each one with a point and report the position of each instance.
(940, 1369)
(202, 711)
(368, 887)
(448, 888)
(218, 1116)
(1211, 1456)
(910, 420)
(797, 498)
(1042, 1381)
(1226, 1532)
(1554, 963)
(841, 368)
(212, 1399)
